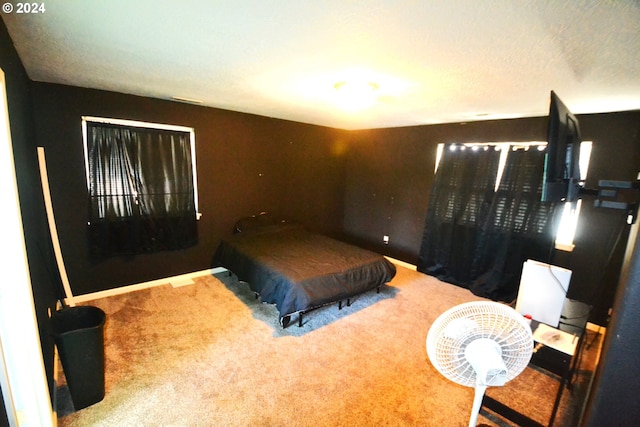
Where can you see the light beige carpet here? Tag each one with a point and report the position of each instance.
(209, 354)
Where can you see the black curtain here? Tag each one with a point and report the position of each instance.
(141, 192)
(478, 238)
(519, 227)
(460, 199)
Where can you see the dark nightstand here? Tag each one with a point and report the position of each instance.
(556, 350)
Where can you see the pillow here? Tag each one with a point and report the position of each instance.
(263, 219)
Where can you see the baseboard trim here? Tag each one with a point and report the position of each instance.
(401, 263)
(596, 328)
(179, 280)
(590, 326)
(56, 381)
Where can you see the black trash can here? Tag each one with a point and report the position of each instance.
(79, 336)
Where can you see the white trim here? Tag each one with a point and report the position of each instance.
(177, 283)
(138, 124)
(188, 100)
(148, 125)
(86, 154)
(565, 247)
(144, 285)
(25, 389)
(57, 367)
(596, 328)
(194, 172)
(53, 230)
(402, 263)
(180, 280)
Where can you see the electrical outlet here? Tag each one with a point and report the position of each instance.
(385, 239)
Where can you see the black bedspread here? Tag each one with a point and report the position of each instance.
(298, 270)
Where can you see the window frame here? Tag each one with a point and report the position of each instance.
(148, 125)
(563, 241)
(571, 211)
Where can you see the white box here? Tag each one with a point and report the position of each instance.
(543, 288)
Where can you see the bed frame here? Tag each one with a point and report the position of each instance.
(298, 270)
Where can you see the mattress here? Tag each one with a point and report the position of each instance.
(298, 270)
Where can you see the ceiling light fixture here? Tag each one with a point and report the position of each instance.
(356, 94)
(359, 87)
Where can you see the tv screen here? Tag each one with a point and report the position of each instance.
(561, 181)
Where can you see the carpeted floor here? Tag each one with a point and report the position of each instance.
(210, 354)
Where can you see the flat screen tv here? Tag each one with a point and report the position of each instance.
(561, 182)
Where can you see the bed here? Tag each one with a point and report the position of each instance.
(297, 270)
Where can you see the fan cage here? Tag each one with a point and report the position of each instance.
(492, 320)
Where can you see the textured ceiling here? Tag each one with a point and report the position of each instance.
(433, 61)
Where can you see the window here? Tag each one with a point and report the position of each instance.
(485, 217)
(142, 187)
(571, 212)
(569, 219)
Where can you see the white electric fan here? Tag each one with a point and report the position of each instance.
(480, 344)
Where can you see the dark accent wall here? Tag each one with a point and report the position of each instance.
(613, 401)
(390, 173)
(245, 164)
(603, 233)
(37, 241)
